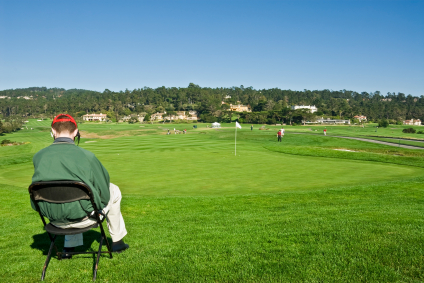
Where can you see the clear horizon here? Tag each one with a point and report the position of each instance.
(354, 45)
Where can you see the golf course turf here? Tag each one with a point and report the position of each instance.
(303, 210)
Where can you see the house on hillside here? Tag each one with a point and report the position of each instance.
(240, 108)
(183, 115)
(157, 116)
(140, 118)
(125, 118)
(94, 117)
(360, 118)
(311, 108)
(412, 122)
(192, 115)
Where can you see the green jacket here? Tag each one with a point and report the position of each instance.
(63, 160)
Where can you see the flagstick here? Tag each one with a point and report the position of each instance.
(235, 143)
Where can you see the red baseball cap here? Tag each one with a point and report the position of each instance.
(69, 119)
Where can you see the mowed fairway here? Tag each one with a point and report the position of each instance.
(195, 212)
(195, 165)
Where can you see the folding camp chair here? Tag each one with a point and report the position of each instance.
(62, 192)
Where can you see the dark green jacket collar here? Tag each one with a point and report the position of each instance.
(67, 140)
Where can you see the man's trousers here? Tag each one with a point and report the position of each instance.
(115, 221)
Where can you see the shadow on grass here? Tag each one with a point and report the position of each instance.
(42, 243)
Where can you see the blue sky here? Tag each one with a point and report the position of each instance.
(355, 45)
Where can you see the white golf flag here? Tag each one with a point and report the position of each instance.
(238, 125)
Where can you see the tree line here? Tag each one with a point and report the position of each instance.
(268, 105)
(10, 124)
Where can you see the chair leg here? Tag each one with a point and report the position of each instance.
(108, 247)
(98, 258)
(107, 242)
(46, 263)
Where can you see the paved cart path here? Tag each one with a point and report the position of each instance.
(381, 142)
(403, 139)
(373, 141)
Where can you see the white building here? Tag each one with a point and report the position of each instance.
(360, 118)
(330, 121)
(412, 122)
(95, 117)
(311, 109)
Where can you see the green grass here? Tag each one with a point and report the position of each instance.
(277, 212)
(332, 147)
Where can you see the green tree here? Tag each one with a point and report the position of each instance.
(270, 104)
(111, 116)
(289, 115)
(127, 112)
(383, 123)
(160, 109)
(306, 115)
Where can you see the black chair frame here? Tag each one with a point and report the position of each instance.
(62, 192)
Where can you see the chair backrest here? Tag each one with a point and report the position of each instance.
(60, 191)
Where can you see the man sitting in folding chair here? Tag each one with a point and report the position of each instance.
(63, 160)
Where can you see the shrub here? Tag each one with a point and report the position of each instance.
(420, 132)
(383, 123)
(133, 120)
(3, 142)
(272, 121)
(409, 131)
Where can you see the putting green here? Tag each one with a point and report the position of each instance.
(204, 164)
(190, 165)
